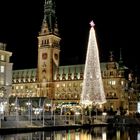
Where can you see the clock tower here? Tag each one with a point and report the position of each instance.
(48, 50)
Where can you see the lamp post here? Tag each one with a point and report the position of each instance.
(43, 114)
(29, 105)
(90, 108)
(17, 107)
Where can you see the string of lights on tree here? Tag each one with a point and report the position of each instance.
(92, 90)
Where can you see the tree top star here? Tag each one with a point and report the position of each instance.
(92, 23)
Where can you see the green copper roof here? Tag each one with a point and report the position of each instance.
(73, 70)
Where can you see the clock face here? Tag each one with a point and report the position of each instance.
(44, 55)
(56, 56)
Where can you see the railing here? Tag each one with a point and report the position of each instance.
(49, 120)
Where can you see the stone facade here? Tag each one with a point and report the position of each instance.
(64, 83)
(5, 76)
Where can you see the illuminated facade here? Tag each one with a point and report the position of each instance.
(5, 75)
(64, 83)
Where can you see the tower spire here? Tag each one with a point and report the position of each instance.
(50, 20)
(121, 60)
(111, 57)
(120, 54)
(48, 49)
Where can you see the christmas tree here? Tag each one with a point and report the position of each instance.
(92, 90)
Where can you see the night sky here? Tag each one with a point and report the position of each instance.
(117, 26)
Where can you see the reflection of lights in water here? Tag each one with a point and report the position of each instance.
(77, 136)
(88, 136)
(69, 134)
(104, 136)
(59, 136)
(118, 135)
(80, 135)
(84, 136)
(138, 135)
(64, 135)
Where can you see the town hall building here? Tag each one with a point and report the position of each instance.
(50, 81)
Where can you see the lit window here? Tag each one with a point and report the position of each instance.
(122, 82)
(69, 84)
(1, 81)
(2, 57)
(1, 69)
(16, 87)
(81, 84)
(57, 85)
(7, 83)
(112, 82)
(63, 85)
